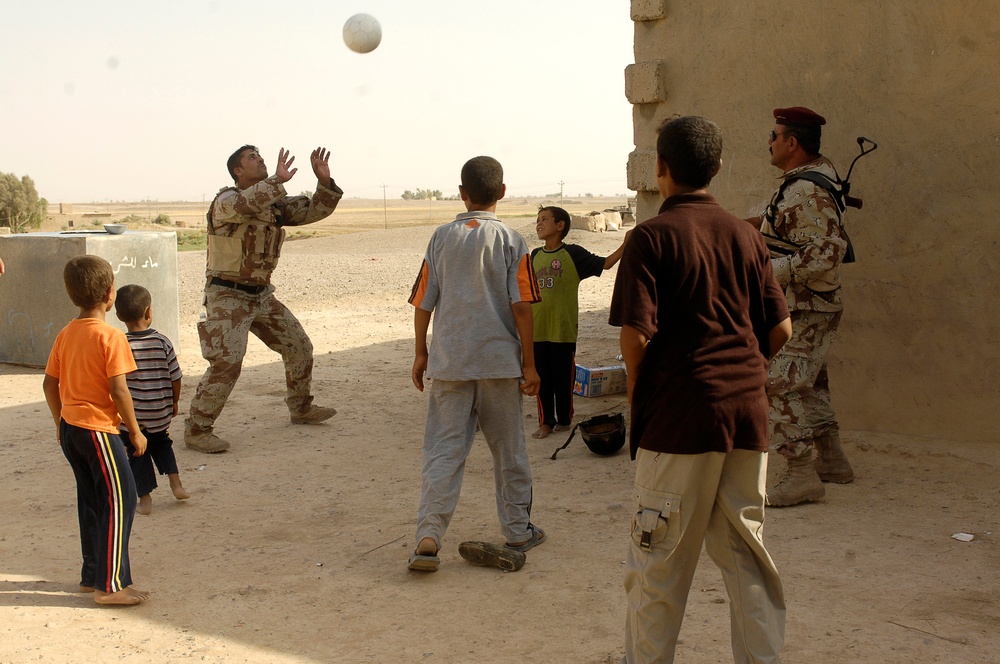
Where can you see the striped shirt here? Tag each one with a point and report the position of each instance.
(151, 385)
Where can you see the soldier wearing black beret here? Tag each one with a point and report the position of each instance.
(804, 227)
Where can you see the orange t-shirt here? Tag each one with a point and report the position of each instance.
(86, 354)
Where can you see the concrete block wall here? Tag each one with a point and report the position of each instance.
(34, 305)
(647, 91)
(919, 344)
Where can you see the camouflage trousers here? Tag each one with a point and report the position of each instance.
(798, 386)
(230, 317)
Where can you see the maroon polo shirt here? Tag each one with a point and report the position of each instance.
(697, 282)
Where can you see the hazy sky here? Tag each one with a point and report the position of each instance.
(128, 100)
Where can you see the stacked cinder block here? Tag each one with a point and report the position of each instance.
(645, 88)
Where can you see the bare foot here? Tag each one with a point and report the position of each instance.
(562, 427)
(86, 589)
(543, 432)
(427, 547)
(124, 597)
(177, 488)
(145, 505)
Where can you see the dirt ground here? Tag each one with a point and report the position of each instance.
(294, 543)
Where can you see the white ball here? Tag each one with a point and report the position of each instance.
(362, 33)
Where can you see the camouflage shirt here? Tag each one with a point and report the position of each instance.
(246, 228)
(807, 218)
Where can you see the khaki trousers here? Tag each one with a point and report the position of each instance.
(683, 500)
(231, 316)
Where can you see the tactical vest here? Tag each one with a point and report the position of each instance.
(783, 245)
(246, 252)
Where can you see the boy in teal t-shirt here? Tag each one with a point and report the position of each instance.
(559, 269)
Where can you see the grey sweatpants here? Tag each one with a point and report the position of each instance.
(452, 413)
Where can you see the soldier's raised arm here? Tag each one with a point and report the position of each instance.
(320, 159)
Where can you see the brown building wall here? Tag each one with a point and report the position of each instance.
(918, 353)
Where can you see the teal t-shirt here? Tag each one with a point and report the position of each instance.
(559, 274)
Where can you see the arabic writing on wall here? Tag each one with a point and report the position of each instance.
(130, 261)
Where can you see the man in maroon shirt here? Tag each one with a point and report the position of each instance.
(701, 314)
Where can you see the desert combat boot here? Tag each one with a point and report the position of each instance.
(831, 462)
(312, 414)
(203, 440)
(800, 484)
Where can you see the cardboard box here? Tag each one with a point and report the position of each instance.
(599, 381)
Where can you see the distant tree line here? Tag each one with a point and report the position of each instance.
(422, 195)
(20, 207)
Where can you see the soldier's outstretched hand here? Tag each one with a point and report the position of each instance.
(284, 163)
(321, 165)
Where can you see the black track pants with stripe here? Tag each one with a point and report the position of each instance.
(106, 499)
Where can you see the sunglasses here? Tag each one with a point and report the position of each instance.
(774, 135)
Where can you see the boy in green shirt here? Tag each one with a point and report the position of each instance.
(559, 269)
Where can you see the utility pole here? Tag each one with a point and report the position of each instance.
(385, 209)
(561, 183)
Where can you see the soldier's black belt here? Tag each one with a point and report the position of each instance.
(225, 283)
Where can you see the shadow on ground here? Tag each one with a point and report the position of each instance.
(294, 543)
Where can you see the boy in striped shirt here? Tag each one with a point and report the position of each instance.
(156, 389)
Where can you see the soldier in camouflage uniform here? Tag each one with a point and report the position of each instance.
(803, 226)
(245, 233)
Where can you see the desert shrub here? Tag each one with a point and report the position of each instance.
(132, 219)
(162, 219)
(191, 240)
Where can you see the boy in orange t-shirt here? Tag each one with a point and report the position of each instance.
(86, 391)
